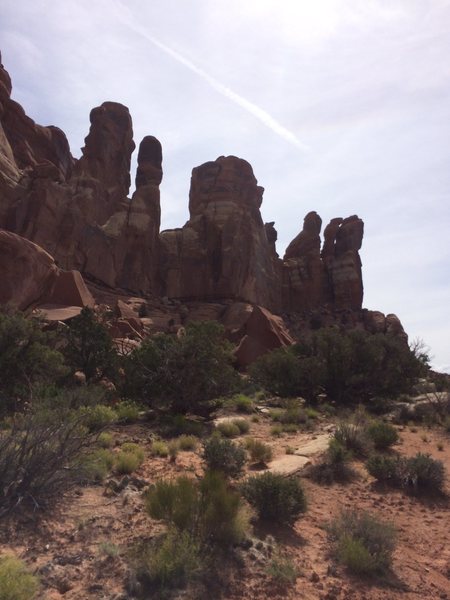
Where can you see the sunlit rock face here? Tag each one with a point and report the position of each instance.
(223, 251)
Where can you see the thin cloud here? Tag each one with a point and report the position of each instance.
(253, 109)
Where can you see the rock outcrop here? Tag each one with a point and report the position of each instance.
(223, 250)
(221, 264)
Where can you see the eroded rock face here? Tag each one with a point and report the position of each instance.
(223, 250)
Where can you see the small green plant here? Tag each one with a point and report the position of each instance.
(312, 413)
(187, 442)
(283, 570)
(260, 453)
(290, 428)
(274, 497)
(159, 448)
(383, 435)
(242, 424)
(130, 458)
(134, 449)
(334, 466)
(243, 404)
(224, 455)
(16, 582)
(424, 438)
(95, 466)
(290, 450)
(255, 419)
(105, 440)
(173, 447)
(276, 430)
(228, 429)
(294, 416)
(127, 411)
(440, 446)
(97, 417)
(354, 438)
(109, 549)
(362, 543)
(169, 561)
(275, 414)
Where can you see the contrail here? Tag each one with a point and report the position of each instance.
(248, 106)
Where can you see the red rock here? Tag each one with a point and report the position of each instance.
(70, 290)
(27, 272)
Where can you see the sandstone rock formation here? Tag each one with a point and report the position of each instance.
(221, 264)
(223, 250)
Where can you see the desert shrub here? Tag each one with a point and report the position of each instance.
(89, 347)
(97, 417)
(173, 448)
(289, 428)
(224, 455)
(276, 430)
(174, 502)
(383, 435)
(275, 414)
(134, 449)
(283, 570)
(159, 448)
(183, 374)
(208, 509)
(16, 582)
(168, 562)
(242, 424)
(223, 519)
(243, 404)
(126, 463)
(105, 440)
(38, 457)
(293, 416)
(228, 429)
(95, 466)
(362, 543)
(179, 424)
(354, 438)
(187, 442)
(334, 466)
(109, 549)
(420, 473)
(259, 452)
(26, 360)
(130, 458)
(127, 411)
(274, 497)
(349, 366)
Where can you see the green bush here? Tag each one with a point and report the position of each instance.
(419, 473)
(159, 448)
(183, 374)
(168, 562)
(95, 466)
(294, 416)
(259, 452)
(274, 497)
(383, 435)
(187, 442)
(242, 424)
(127, 411)
(26, 360)
(362, 543)
(354, 438)
(243, 404)
(208, 510)
(223, 455)
(16, 582)
(276, 430)
(105, 440)
(130, 458)
(228, 429)
(334, 466)
(97, 417)
(283, 571)
(39, 454)
(89, 347)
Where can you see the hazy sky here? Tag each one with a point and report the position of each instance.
(341, 106)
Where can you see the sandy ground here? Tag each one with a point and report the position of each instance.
(67, 545)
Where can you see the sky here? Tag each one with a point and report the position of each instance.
(341, 106)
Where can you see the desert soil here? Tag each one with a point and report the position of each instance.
(66, 546)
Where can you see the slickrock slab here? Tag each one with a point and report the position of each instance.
(288, 464)
(316, 446)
